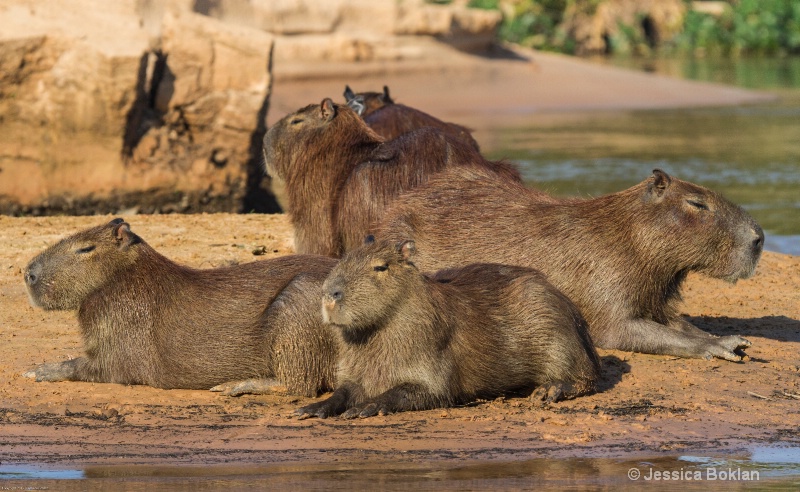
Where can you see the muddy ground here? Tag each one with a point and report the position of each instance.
(647, 404)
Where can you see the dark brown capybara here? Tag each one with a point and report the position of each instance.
(622, 258)
(340, 175)
(251, 328)
(390, 120)
(408, 341)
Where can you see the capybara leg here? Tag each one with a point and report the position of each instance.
(336, 404)
(403, 397)
(67, 370)
(684, 326)
(650, 337)
(251, 387)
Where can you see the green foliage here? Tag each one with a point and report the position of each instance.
(484, 4)
(747, 27)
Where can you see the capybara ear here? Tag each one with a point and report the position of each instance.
(118, 220)
(348, 93)
(406, 249)
(125, 238)
(661, 182)
(369, 239)
(386, 97)
(327, 109)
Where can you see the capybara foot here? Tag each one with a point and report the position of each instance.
(549, 393)
(53, 371)
(729, 348)
(322, 410)
(366, 410)
(251, 387)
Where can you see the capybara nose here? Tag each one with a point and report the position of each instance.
(758, 242)
(336, 295)
(32, 274)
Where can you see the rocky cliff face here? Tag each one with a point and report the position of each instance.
(108, 105)
(160, 105)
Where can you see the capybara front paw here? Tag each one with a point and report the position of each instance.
(548, 393)
(51, 371)
(729, 348)
(365, 411)
(321, 410)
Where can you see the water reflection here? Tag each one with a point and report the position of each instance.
(770, 466)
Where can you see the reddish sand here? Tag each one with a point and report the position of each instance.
(647, 404)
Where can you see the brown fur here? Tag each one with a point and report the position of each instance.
(340, 175)
(412, 342)
(147, 320)
(621, 257)
(390, 120)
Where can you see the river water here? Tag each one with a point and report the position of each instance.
(751, 154)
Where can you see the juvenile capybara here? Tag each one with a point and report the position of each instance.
(366, 103)
(147, 320)
(621, 257)
(408, 341)
(390, 120)
(340, 175)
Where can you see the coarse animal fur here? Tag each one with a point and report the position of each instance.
(340, 176)
(390, 120)
(412, 342)
(147, 320)
(622, 258)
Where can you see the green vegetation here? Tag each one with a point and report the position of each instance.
(745, 27)
(748, 27)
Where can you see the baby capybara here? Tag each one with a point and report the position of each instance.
(408, 341)
(147, 320)
(340, 175)
(622, 258)
(390, 120)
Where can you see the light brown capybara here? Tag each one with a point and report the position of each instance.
(147, 320)
(340, 176)
(390, 120)
(412, 342)
(622, 258)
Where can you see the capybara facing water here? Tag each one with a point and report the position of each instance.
(412, 342)
(147, 320)
(621, 257)
(340, 175)
(390, 120)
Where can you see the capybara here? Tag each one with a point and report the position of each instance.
(390, 120)
(621, 257)
(366, 103)
(408, 341)
(147, 320)
(340, 175)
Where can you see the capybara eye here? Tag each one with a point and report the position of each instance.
(381, 268)
(296, 121)
(86, 249)
(697, 204)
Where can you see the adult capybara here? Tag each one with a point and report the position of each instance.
(390, 120)
(340, 175)
(147, 320)
(408, 341)
(621, 257)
